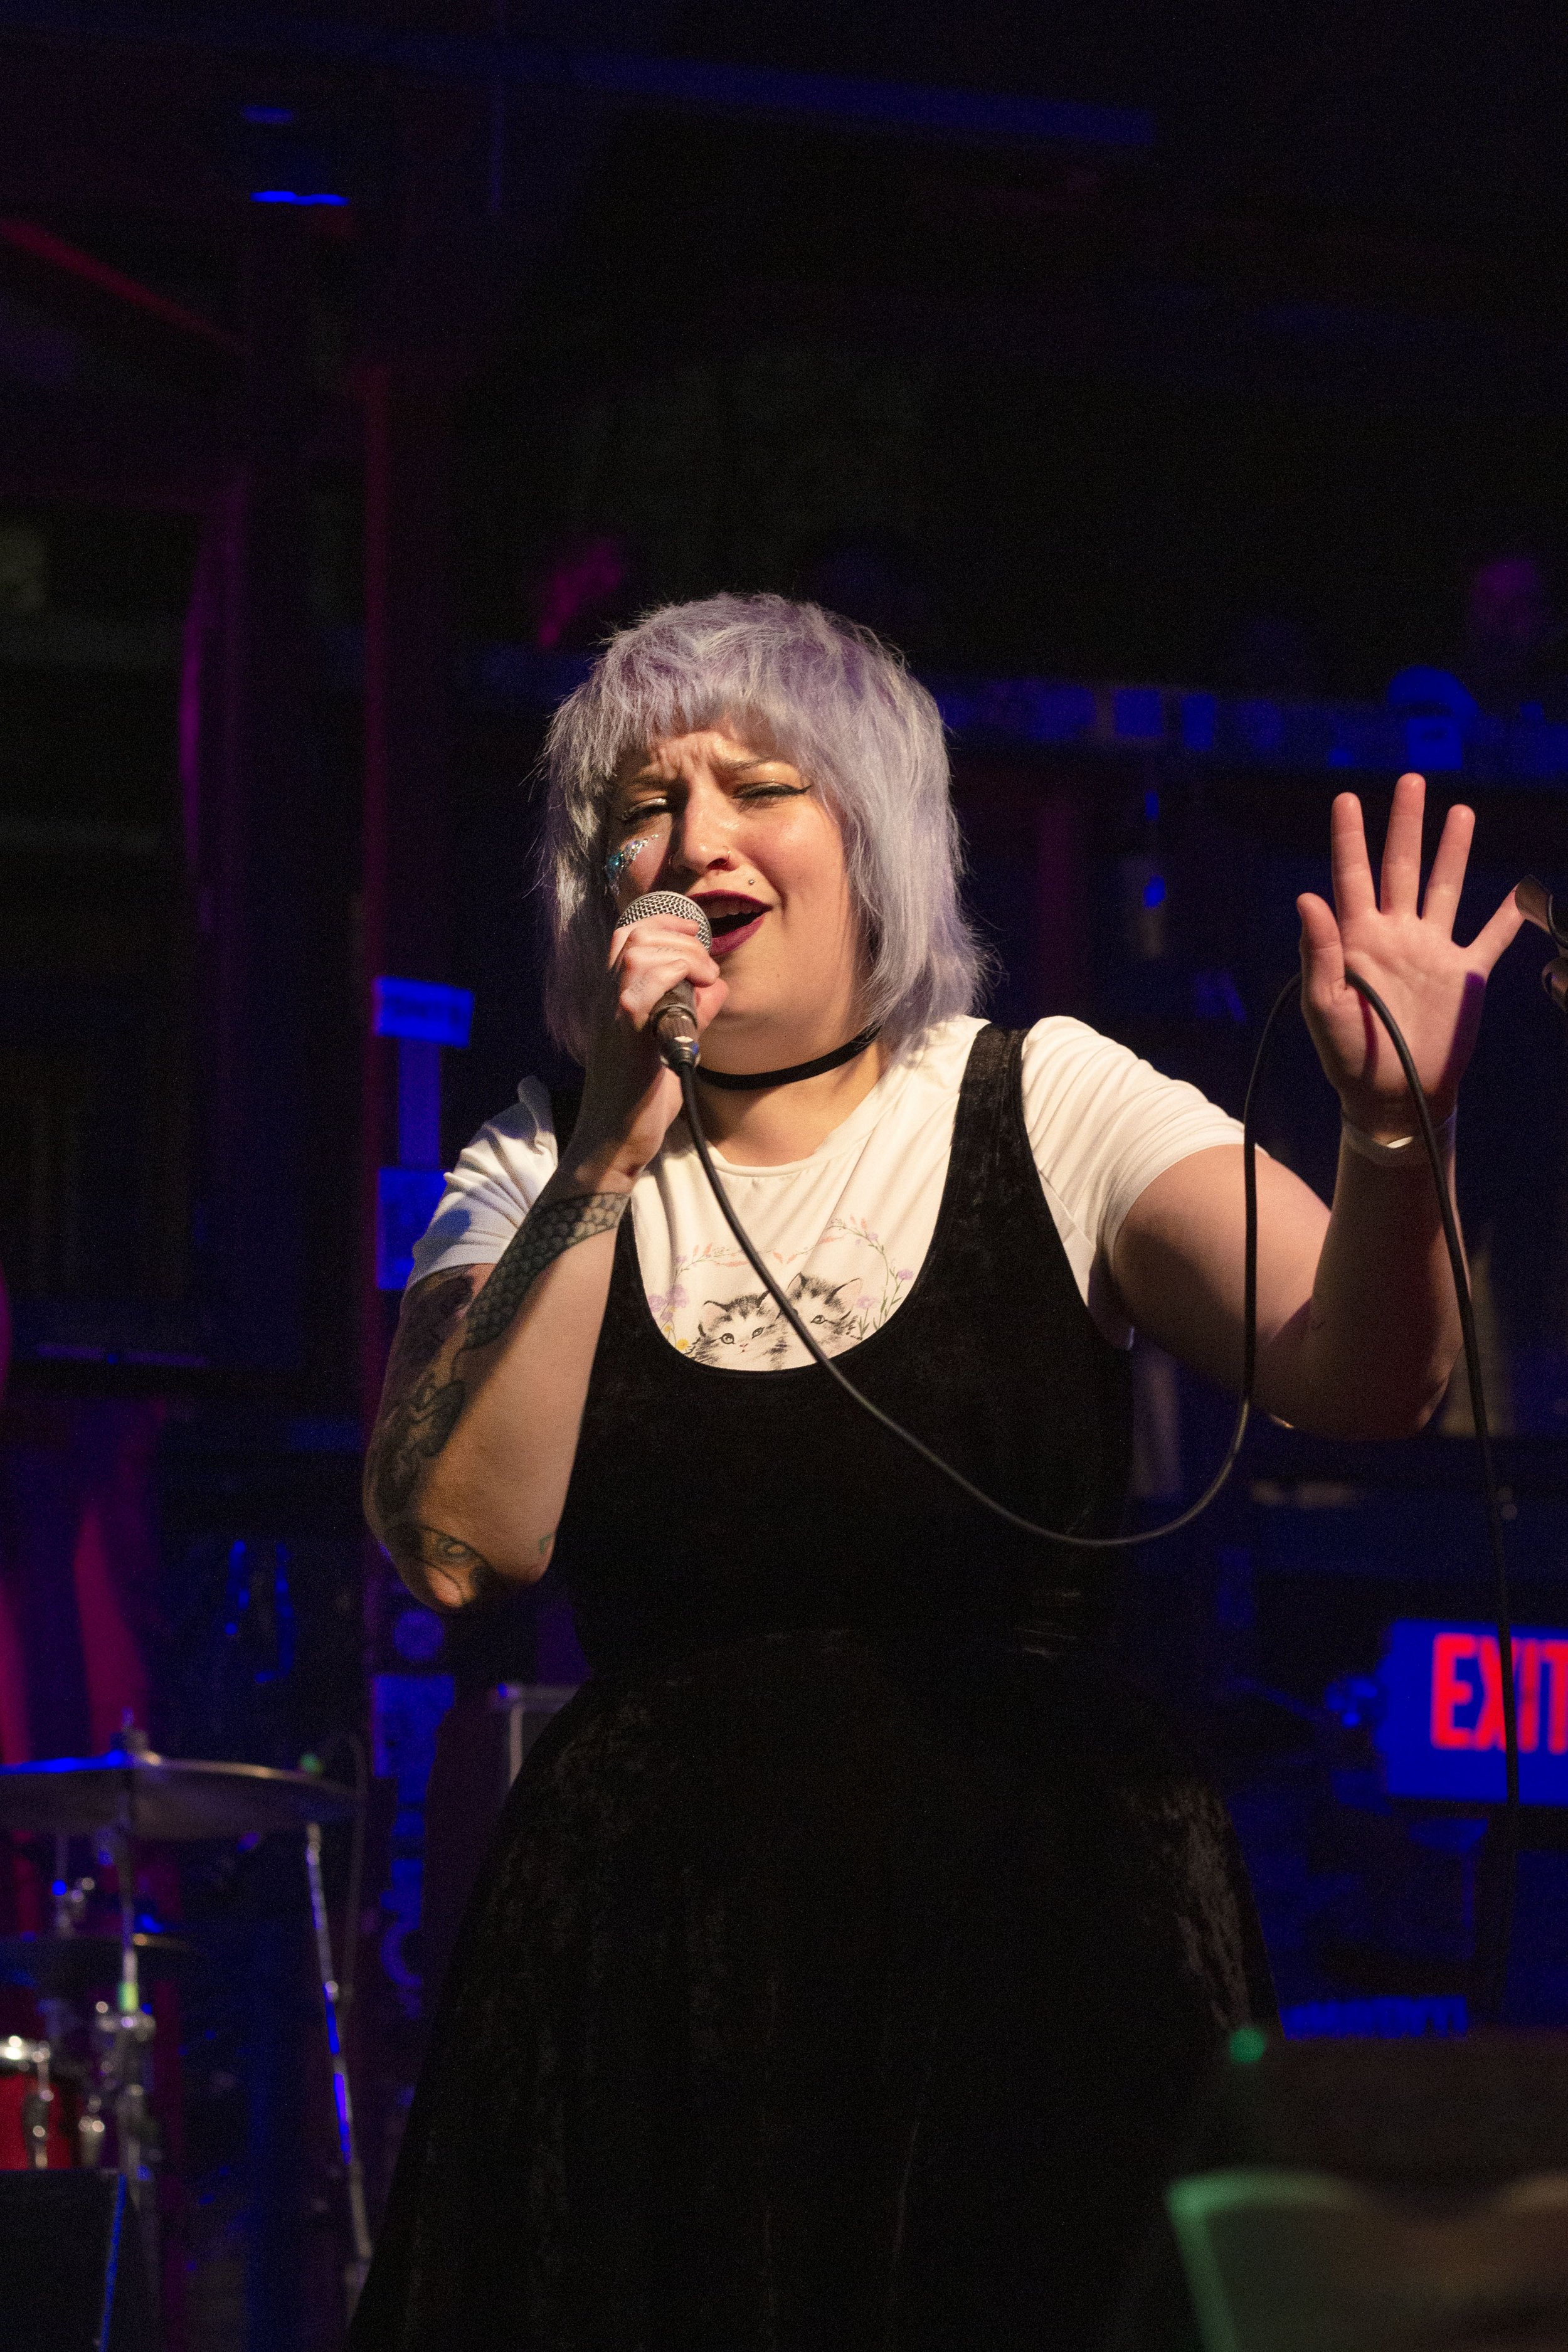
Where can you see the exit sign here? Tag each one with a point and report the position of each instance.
(1441, 1732)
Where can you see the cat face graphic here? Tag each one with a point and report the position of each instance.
(821, 1309)
(732, 1328)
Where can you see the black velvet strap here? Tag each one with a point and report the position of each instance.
(750, 1081)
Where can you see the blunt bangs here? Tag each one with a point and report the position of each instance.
(814, 689)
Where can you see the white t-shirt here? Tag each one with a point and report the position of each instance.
(847, 1228)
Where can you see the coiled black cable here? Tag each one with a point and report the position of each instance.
(1493, 1938)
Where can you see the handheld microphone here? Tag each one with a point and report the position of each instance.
(674, 1018)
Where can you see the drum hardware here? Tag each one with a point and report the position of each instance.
(36, 2113)
(36, 2106)
(146, 1795)
(91, 2133)
(343, 2102)
(65, 1969)
(28, 2059)
(127, 1794)
(70, 1896)
(52, 2108)
(123, 2039)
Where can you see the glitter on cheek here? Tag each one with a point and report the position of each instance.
(619, 859)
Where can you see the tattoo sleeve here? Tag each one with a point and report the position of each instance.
(462, 1577)
(550, 1227)
(421, 1402)
(426, 1392)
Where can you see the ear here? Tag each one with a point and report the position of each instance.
(712, 1307)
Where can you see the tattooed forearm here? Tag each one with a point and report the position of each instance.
(420, 1405)
(411, 1433)
(451, 1574)
(550, 1228)
(431, 1313)
(443, 1323)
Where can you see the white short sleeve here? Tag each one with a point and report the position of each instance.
(495, 1184)
(1103, 1125)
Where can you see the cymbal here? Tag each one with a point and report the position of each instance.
(165, 1797)
(75, 1964)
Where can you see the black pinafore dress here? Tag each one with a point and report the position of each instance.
(851, 1946)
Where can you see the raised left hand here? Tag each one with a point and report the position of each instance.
(1403, 945)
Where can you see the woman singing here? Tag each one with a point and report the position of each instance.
(851, 1945)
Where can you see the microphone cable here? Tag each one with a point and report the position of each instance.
(1496, 1941)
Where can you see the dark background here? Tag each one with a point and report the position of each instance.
(1226, 383)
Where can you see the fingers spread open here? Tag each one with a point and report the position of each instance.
(1353, 891)
(1447, 879)
(1402, 846)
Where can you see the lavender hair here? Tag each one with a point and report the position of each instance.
(822, 693)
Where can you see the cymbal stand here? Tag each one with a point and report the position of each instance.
(342, 2103)
(68, 1903)
(122, 2039)
(60, 2016)
(67, 1910)
(36, 2110)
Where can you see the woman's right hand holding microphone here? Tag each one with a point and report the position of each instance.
(630, 1096)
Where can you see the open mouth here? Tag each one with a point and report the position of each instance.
(732, 924)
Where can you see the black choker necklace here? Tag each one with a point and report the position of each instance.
(745, 1081)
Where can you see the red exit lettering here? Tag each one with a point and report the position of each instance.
(1467, 1674)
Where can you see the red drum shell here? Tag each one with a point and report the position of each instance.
(20, 2067)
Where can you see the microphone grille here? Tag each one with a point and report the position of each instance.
(666, 902)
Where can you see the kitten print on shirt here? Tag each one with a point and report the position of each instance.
(1101, 1127)
(714, 1312)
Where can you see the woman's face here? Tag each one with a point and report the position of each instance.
(749, 838)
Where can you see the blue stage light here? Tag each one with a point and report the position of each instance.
(288, 196)
(1154, 890)
(406, 1200)
(271, 117)
(1390, 2017)
(421, 1008)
